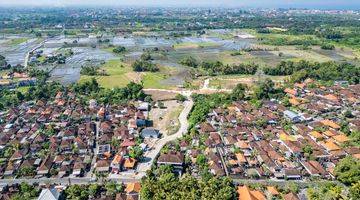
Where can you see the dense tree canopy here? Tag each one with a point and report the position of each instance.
(144, 66)
(163, 184)
(218, 67)
(89, 70)
(326, 71)
(119, 49)
(238, 93)
(348, 170)
(132, 91)
(189, 61)
(203, 104)
(266, 90)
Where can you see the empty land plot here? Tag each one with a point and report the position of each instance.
(166, 119)
(117, 75)
(157, 95)
(230, 81)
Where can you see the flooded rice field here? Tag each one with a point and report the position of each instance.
(85, 53)
(15, 54)
(70, 71)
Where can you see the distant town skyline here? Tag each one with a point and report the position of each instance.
(318, 4)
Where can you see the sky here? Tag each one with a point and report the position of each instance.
(325, 4)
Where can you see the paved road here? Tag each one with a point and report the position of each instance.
(27, 56)
(95, 150)
(283, 182)
(186, 92)
(65, 181)
(136, 178)
(179, 91)
(184, 125)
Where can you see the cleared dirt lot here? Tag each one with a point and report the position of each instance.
(161, 95)
(166, 119)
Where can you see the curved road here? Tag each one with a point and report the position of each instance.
(184, 125)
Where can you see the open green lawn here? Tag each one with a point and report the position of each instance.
(119, 74)
(17, 41)
(193, 45)
(116, 71)
(153, 80)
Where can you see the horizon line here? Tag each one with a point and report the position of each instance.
(295, 7)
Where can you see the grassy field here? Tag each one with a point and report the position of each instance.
(194, 45)
(153, 80)
(269, 50)
(119, 74)
(230, 81)
(17, 41)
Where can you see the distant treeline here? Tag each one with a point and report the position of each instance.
(217, 67)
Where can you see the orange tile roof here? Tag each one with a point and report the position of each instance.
(290, 196)
(101, 111)
(316, 135)
(341, 138)
(246, 194)
(330, 145)
(356, 155)
(353, 99)
(331, 97)
(133, 187)
(272, 190)
(329, 133)
(232, 162)
(129, 163)
(242, 144)
(117, 159)
(259, 195)
(290, 91)
(294, 101)
(240, 157)
(330, 123)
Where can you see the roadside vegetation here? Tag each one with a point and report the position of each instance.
(327, 71)
(162, 183)
(93, 191)
(218, 67)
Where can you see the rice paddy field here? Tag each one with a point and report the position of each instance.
(228, 46)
